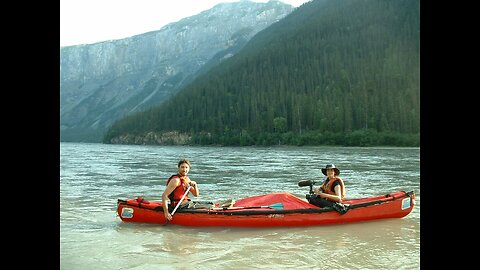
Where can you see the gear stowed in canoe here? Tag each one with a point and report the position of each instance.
(272, 210)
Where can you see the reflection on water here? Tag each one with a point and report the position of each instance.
(94, 176)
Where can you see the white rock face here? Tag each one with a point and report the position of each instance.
(102, 82)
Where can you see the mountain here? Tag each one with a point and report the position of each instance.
(342, 72)
(102, 82)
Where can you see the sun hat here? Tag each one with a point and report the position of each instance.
(330, 166)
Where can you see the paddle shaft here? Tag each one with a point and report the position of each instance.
(181, 200)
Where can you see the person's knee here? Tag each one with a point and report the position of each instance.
(318, 201)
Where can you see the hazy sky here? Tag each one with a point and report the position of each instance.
(91, 21)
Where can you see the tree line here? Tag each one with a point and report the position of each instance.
(331, 72)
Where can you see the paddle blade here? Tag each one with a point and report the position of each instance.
(276, 206)
(305, 183)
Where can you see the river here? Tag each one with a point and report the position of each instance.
(94, 176)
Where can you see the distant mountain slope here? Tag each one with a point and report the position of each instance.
(345, 67)
(102, 82)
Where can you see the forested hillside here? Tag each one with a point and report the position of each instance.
(341, 72)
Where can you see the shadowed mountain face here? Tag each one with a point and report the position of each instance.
(102, 82)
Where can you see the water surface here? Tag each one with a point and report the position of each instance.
(94, 176)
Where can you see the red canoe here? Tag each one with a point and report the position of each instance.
(272, 210)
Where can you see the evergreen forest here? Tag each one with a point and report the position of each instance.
(333, 72)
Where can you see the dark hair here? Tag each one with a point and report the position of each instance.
(184, 161)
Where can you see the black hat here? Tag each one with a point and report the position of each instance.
(330, 166)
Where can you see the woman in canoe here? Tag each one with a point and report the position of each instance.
(332, 192)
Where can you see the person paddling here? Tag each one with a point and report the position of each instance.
(177, 191)
(177, 186)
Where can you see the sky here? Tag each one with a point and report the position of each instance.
(91, 21)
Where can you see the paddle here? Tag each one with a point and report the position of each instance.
(273, 206)
(181, 200)
(178, 204)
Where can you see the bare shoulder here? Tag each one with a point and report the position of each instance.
(175, 181)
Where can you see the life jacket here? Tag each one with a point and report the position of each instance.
(327, 186)
(178, 192)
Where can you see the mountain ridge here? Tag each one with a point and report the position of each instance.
(105, 81)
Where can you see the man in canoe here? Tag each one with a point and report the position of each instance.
(178, 187)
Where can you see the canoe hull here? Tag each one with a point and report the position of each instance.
(393, 205)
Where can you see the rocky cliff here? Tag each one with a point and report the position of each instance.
(102, 82)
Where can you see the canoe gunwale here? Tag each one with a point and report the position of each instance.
(247, 212)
